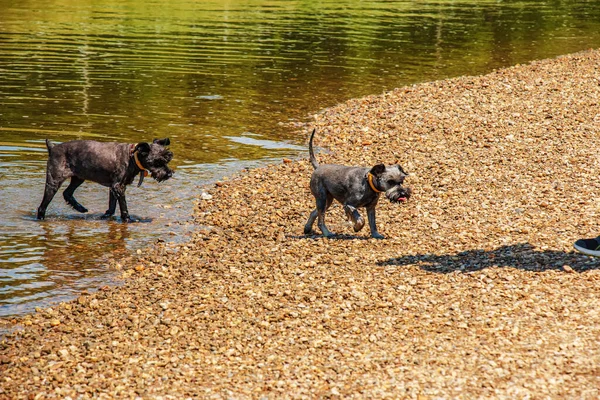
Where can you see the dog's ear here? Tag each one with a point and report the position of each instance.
(142, 147)
(378, 169)
(402, 170)
(162, 142)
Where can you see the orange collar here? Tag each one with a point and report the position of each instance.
(370, 179)
(139, 164)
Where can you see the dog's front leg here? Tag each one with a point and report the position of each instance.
(372, 224)
(355, 217)
(123, 207)
(112, 205)
(119, 192)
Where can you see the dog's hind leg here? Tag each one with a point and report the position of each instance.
(68, 194)
(310, 222)
(322, 207)
(355, 217)
(52, 186)
(49, 193)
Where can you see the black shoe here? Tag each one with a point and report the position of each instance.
(591, 247)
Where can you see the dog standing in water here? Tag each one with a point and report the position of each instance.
(114, 165)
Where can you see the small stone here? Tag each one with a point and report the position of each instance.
(567, 268)
(463, 299)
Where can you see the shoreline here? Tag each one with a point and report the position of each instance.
(476, 292)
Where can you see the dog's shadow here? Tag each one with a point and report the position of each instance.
(336, 236)
(134, 219)
(521, 256)
(29, 216)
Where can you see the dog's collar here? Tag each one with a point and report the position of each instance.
(139, 164)
(137, 160)
(370, 179)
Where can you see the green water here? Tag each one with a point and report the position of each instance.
(230, 82)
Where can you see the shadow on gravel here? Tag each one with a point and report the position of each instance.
(340, 236)
(522, 256)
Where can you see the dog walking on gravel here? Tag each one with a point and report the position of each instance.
(114, 165)
(353, 187)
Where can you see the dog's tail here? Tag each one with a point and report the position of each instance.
(311, 152)
(49, 145)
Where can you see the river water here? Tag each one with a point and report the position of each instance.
(229, 82)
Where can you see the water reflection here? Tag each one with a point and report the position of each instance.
(50, 264)
(228, 82)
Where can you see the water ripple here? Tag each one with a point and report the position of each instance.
(229, 82)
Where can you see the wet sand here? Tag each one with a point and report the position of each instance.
(475, 292)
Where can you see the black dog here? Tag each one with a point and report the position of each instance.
(114, 165)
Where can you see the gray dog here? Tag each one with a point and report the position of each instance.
(354, 187)
(114, 165)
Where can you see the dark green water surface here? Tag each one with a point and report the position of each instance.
(227, 81)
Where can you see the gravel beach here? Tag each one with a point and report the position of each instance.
(475, 292)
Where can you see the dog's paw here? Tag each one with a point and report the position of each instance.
(359, 224)
(76, 206)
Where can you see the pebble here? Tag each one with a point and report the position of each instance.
(475, 293)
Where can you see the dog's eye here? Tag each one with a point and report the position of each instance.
(392, 182)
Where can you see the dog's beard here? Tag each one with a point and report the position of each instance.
(398, 194)
(161, 175)
(157, 162)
